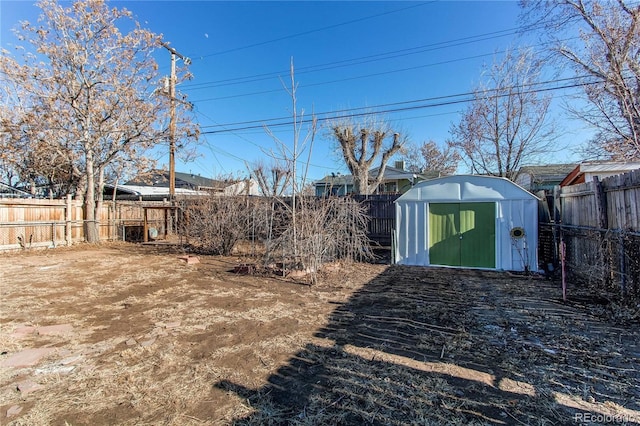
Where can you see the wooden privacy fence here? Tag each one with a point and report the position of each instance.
(34, 223)
(599, 223)
(39, 223)
(382, 216)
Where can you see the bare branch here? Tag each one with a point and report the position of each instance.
(506, 125)
(361, 145)
(90, 97)
(608, 50)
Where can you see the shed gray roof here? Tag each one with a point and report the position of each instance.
(466, 188)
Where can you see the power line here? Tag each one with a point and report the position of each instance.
(340, 80)
(263, 92)
(260, 130)
(380, 56)
(211, 148)
(366, 59)
(252, 143)
(222, 125)
(340, 111)
(466, 97)
(341, 24)
(349, 62)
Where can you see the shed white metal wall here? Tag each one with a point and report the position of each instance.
(515, 207)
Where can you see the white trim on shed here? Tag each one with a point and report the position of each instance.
(515, 209)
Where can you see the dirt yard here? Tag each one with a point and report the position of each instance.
(126, 334)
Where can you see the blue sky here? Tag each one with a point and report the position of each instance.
(406, 58)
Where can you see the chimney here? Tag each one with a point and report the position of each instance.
(399, 165)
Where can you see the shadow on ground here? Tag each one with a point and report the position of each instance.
(439, 346)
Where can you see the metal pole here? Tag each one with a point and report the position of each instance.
(172, 129)
(563, 256)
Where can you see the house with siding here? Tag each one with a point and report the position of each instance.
(587, 171)
(543, 177)
(155, 187)
(396, 180)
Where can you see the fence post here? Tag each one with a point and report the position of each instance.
(623, 264)
(557, 219)
(67, 224)
(601, 203)
(145, 225)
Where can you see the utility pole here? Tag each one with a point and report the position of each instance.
(172, 118)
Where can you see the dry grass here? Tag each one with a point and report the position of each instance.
(156, 341)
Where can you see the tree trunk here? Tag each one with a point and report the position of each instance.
(90, 221)
(360, 178)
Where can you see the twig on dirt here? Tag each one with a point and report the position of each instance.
(374, 414)
(193, 418)
(514, 418)
(555, 382)
(331, 405)
(442, 352)
(415, 324)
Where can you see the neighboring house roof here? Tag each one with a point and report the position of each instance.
(160, 178)
(338, 179)
(7, 191)
(199, 181)
(148, 193)
(390, 173)
(548, 171)
(393, 173)
(540, 177)
(160, 190)
(584, 172)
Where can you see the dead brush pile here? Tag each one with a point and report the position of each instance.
(285, 237)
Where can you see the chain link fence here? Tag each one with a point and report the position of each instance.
(605, 260)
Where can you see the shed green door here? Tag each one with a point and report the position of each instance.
(462, 234)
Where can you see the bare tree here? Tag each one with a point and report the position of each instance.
(272, 180)
(430, 157)
(88, 97)
(364, 145)
(291, 154)
(305, 232)
(607, 54)
(506, 124)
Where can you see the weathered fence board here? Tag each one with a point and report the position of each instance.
(600, 223)
(619, 197)
(50, 223)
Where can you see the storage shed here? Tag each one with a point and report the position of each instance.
(469, 222)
